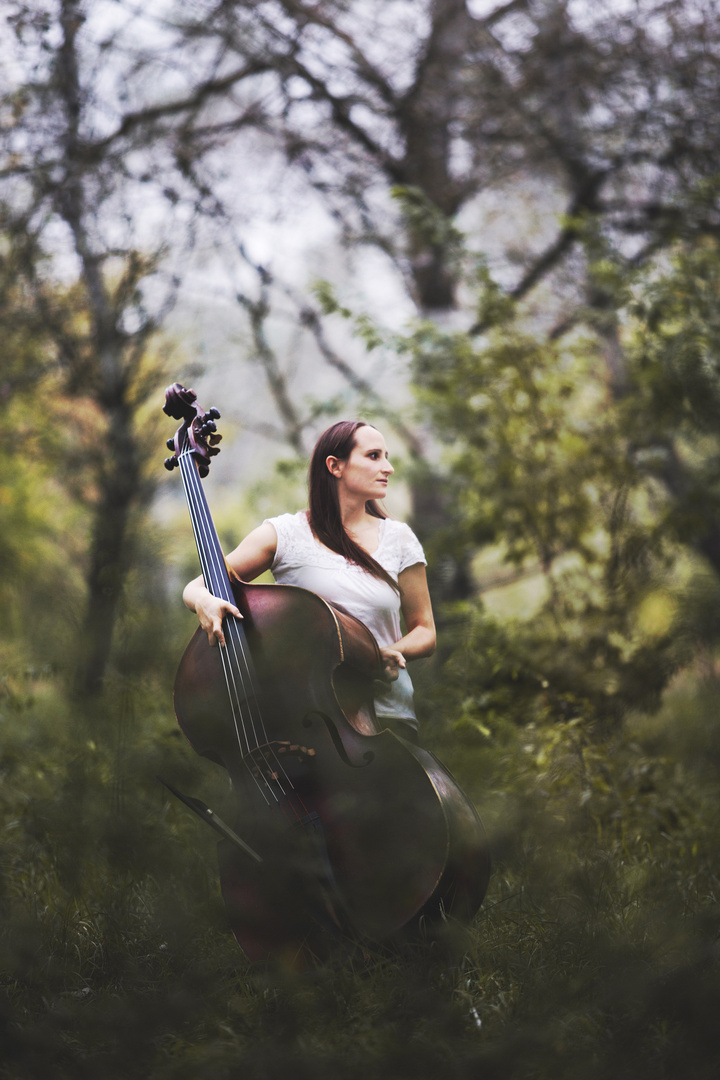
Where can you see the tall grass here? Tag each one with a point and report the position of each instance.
(593, 956)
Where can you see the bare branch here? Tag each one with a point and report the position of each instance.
(90, 152)
(566, 238)
(258, 311)
(310, 318)
(367, 71)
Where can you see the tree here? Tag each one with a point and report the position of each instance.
(35, 520)
(574, 485)
(616, 109)
(97, 153)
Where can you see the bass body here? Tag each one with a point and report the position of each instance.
(395, 841)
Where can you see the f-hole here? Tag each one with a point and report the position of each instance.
(368, 756)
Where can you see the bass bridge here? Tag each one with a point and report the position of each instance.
(271, 762)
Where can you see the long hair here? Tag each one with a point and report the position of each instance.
(325, 518)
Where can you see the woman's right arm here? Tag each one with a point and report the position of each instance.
(252, 557)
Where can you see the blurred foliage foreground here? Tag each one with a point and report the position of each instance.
(594, 954)
(585, 731)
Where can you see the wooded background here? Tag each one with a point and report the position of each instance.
(492, 230)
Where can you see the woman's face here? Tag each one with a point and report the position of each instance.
(366, 471)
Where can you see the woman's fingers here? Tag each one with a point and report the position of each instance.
(392, 656)
(392, 662)
(212, 616)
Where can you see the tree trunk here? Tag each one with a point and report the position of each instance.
(110, 545)
(425, 120)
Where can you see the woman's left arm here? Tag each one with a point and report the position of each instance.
(417, 612)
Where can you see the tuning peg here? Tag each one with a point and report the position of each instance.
(170, 463)
(214, 414)
(170, 444)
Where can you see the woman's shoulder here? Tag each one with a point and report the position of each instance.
(297, 521)
(400, 545)
(399, 529)
(294, 537)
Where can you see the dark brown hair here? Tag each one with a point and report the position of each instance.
(324, 517)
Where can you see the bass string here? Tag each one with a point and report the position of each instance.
(221, 587)
(210, 576)
(214, 580)
(215, 577)
(215, 573)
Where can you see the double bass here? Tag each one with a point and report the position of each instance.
(341, 830)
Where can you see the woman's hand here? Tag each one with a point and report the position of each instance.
(211, 612)
(250, 558)
(392, 662)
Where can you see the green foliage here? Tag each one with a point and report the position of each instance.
(595, 955)
(41, 529)
(363, 327)
(426, 225)
(606, 496)
(60, 440)
(592, 955)
(675, 349)
(494, 306)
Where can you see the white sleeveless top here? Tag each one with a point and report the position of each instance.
(302, 560)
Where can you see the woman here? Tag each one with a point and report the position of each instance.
(345, 549)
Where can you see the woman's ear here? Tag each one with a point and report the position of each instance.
(335, 466)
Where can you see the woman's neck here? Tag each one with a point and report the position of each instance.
(352, 512)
